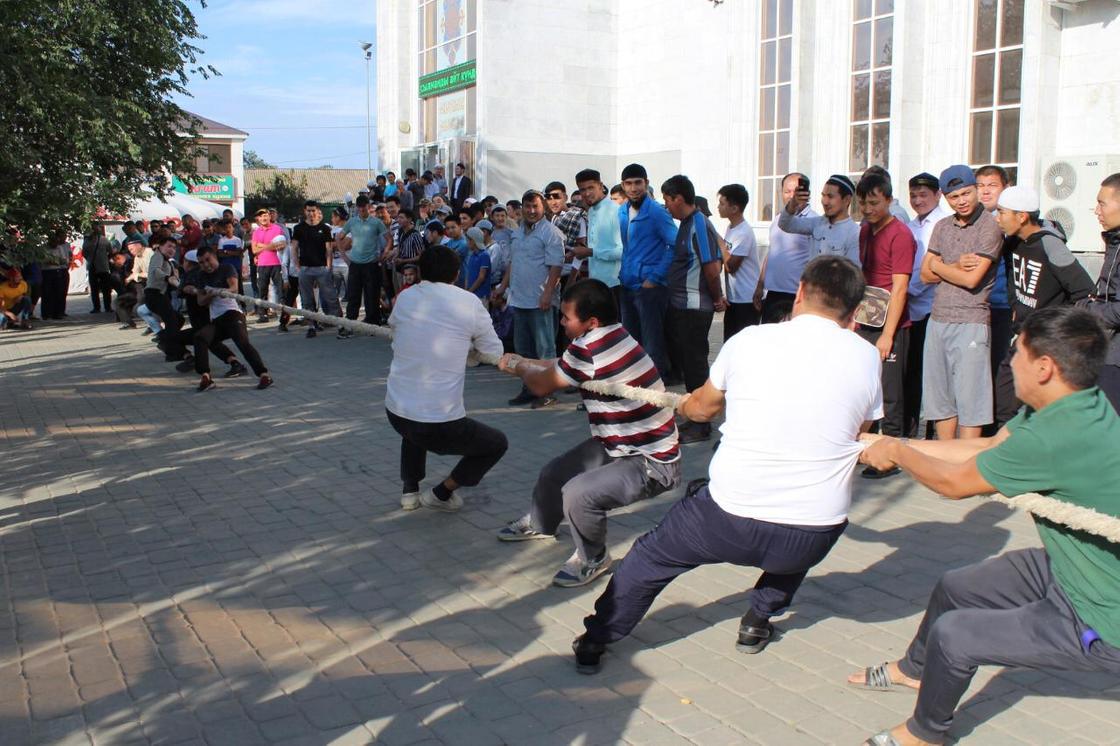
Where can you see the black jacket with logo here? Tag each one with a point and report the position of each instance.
(1105, 300)
(1045, 273)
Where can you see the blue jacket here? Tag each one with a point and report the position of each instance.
(647, 244)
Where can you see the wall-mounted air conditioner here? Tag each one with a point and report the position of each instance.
(1068, 195)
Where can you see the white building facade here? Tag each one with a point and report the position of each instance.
(526, 91)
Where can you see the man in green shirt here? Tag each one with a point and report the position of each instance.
(1052, 608)
(361, 240)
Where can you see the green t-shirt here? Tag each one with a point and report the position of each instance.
(366, 236)
(1070, 450)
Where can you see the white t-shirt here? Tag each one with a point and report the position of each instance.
(742, 283)
(434, 327)
(797, 394)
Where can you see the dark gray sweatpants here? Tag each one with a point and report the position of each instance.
(1007, 611)
(584, 483)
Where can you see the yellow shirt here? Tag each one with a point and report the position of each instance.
(9, 295)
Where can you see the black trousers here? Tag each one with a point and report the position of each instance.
(776, 306)
(1006, 611)
(688, 345)
(230, 325)
(363, 284)
(1001, 336)
(480, 446)
(159, 304)
(738, 317)
(912, 379)
(894, 377)
(100, 288)
(698, 532)
(266, 276)
(56, 284)
(1109, 381)
(1007, 405)
(288, 298)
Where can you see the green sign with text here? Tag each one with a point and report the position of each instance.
(221, 188)
(445, 81)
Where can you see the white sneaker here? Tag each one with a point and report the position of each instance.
(576, 572)
(410, 501)
(451, 505)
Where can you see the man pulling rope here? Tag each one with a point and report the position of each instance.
(1078, 517)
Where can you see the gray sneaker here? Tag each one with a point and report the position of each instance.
(522, 530)
(576, 572)
(410, 501)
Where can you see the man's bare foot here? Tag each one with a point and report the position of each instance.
(902, 736)
(897, 678)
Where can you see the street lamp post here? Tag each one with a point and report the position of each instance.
(367, 48)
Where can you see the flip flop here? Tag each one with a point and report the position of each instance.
(878, 679)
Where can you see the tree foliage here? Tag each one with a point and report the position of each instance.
(283, 192)
(252, 160)
(86, 112)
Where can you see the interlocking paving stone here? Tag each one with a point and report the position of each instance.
(233, 568)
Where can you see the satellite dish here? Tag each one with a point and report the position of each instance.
(404, 127)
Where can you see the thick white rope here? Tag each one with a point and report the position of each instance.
(1057, 511)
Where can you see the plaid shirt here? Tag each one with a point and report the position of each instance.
(571, 223)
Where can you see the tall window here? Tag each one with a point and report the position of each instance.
(872, 57)
(997, 82)
(775, 65)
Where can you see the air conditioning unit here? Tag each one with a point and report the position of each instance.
(1068, 195)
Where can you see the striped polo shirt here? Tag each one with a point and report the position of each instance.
(697, 244)
(624, 427)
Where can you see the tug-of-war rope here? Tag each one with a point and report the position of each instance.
(1056, 511)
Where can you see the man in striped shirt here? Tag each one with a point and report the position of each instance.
(632, 453)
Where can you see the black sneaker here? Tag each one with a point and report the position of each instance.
(523, 398)
(544, 401)
(262, 319)
(754, 639)
(185, 367)
(344, 333)
(283, 327)
(236, 370)
(206, 384)
(588, 654)
(311, 332)
(872, 473)
(265, 382)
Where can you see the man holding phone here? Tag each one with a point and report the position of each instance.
(832, 234)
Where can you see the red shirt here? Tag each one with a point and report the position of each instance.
(886, 253)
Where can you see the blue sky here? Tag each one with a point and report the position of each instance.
(292, 76)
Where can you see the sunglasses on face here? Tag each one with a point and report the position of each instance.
(555, 195)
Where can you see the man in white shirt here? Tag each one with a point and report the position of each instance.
(740, 261)
(435, 325)
(786, 257)
(925, 199)
(781, 480)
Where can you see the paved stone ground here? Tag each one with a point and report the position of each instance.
(232, 568)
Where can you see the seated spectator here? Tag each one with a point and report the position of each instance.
(15, 301)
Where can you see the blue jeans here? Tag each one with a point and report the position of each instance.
(534, 333)
(149, 318)
(643, 314)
